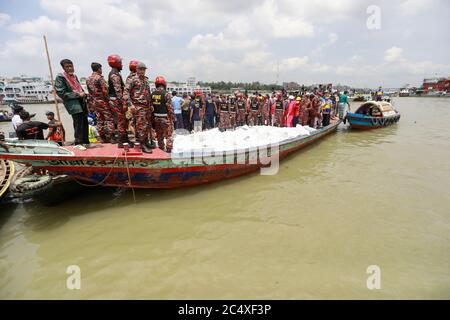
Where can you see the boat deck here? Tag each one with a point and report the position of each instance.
(108, 150)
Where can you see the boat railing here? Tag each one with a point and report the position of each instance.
(33, 147)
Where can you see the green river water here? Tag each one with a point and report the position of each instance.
(352, 200)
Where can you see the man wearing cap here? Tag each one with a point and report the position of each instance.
(138, 99)
(99, 103)
(57, 134)
(69, 89)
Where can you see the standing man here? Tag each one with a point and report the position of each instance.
(69, 89)
(118, 107)
(232, 113)
(265, 111)
(132, 66)
(138, 98)
(224, 113)
(343, 102)
(186, 112)
(241, 107)
(255, 111)
(176, 105)
(162, 105)
(278, 112)
(210, 111)
(99, 103)
(197, 111)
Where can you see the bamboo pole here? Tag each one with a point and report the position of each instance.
(51, 80)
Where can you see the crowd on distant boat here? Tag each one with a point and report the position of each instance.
(121, 107)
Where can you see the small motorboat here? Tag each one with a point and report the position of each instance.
(373, 115)
(5, 116)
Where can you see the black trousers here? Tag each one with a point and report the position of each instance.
(81, 128)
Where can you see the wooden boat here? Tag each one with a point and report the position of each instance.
(373, 115)
(106, 165)
(6, 175)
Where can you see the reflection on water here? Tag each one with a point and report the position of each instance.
(353, 200)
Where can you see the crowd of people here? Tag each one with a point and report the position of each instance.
(281, 109)
(122, 106)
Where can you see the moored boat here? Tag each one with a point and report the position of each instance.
(373, 115)
(106, 165)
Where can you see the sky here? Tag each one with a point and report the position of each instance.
(360, 43)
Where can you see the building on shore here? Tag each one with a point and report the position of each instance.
(436, 84)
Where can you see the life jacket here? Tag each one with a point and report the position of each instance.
(159, 102)
(279, 105)
(92, 138)
(240, 105)
(233, 107)
(111, 91)
(223, 106)
(255, 106)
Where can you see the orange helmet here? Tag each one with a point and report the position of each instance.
(133, 64)
(115, 61)
(160, 81)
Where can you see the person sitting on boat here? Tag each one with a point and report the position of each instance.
(69, 89)
(56, 134)
(33, 130)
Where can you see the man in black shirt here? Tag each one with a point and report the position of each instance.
(32, 129)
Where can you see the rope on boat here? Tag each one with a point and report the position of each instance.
(129, 177)
(109, 173)
(101, 182)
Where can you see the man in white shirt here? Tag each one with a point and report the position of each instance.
(16, 120)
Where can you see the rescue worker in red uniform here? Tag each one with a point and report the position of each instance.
(224, 113)
(132, 66)
(241, 107)
(163, 115)
(265, 111)
(232, 113)
(255, 112)
(138, 99)
(304, 110)
(98, 102)
(278, 111)
(116, 102)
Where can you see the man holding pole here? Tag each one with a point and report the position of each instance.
(70, 91)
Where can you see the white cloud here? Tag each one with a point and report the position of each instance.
(211, 42)
(4, 19)
(393, 54)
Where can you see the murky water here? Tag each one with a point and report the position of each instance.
(353, 200)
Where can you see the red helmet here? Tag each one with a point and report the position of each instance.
(115, 61)
(197, 92)
(133, 64)
(160, 81)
